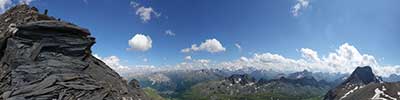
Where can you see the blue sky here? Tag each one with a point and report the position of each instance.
(258, 26)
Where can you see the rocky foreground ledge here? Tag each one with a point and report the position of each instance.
(45, 58)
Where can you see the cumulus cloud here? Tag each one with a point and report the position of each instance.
(4, 4)
(140, 42)
(25, 1)
(134, 4)
(188, 58)
(209, 45)
(344, 60)
(113, 62)
(170, 33)
(145, 13)
(300, 4)
(309, 54)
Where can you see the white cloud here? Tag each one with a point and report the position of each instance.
(25, 1)
(140, 42)
(113, 62)
(145, 60)
(343, 60)
(4, 4)
(188, 58)
(301, 4)
(145, 13)
(210, 45)
(309, 54)
(238, 46)
(170, 33)
(134, 4)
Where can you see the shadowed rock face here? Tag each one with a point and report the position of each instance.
(42, 58)
(362, 75)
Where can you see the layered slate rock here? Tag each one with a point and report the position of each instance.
(44, 58)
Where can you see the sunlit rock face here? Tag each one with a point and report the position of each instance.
(45, 58)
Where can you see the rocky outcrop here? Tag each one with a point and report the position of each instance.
(44, 58)
(362, 75)
(242, 79)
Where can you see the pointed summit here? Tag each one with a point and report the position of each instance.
(362, 75)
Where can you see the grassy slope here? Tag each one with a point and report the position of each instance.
(152, 94)
(195, 94)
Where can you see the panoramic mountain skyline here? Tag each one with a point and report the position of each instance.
(282, 35)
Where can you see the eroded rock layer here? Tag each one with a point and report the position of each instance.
(44, 58)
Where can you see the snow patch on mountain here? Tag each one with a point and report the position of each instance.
(349, 92)
(380, 94)
(158, 78)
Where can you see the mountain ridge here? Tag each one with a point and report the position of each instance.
(363, 84)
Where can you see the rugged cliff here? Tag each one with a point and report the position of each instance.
(363, 84)
(45, 58)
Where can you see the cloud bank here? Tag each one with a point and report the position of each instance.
(113, 62)
(343, 60)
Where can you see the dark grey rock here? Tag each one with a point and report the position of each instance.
(43, 58)
(134, 83)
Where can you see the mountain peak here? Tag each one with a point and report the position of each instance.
(299, 75)
(363, 75)
(240, 79)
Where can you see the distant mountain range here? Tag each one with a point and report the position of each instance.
(172, 84)
(239, 87)
(180, 83)
(256, 84)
